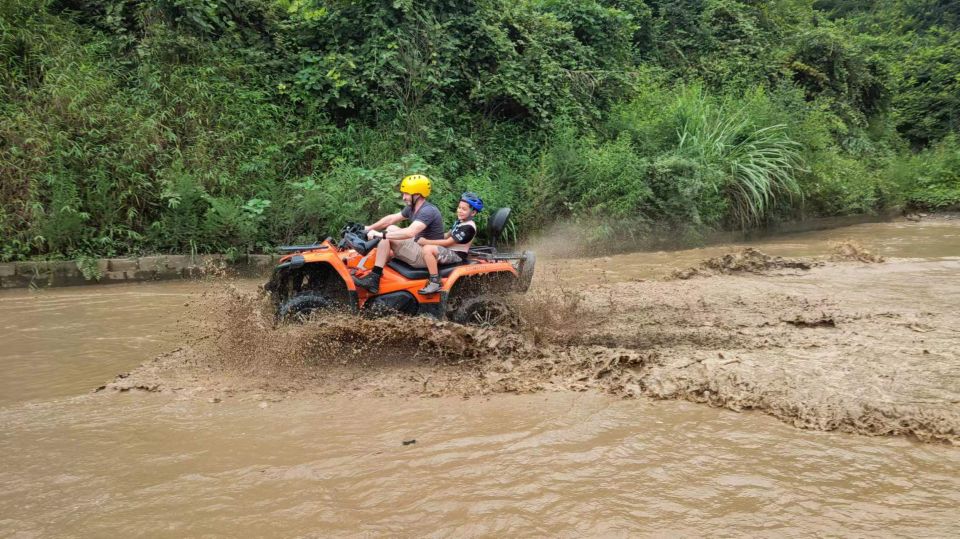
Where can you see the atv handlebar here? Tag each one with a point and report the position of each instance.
(354, 237)
(357, 243)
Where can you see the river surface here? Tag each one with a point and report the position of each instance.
(554, 463)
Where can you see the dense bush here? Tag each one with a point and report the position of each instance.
(931, 178)
(197, 125)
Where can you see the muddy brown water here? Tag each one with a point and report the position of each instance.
(201, 459)
(927, 239)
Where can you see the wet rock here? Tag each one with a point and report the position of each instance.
(152, 263)
(115, 276)
(123, 264)
(30, 269)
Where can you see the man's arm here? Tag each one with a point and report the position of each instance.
(463, 235)
(447, 241)
(386, 221)
(409, 232)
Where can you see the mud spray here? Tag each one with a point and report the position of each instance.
(789, 337)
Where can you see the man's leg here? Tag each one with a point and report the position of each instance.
(372, 281)
(383, 254)
(430, 259)
(383, 250)
(408, 251)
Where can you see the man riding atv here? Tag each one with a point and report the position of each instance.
(444, 276)
(427, 222)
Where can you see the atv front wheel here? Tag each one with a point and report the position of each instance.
(486, 311)
(299, 308)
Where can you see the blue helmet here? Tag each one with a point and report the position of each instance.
(473, 200)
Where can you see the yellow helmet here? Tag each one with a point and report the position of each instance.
(416, 184)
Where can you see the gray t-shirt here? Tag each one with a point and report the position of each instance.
(428, 215)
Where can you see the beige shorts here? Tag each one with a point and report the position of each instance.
(408, 251)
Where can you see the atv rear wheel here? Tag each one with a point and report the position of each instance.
(485, 311)
(299, 308)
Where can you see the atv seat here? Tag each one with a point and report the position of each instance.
(412, 273)
(495, 227)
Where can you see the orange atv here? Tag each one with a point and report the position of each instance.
(318, 277)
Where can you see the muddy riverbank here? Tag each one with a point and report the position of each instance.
(558, 243)
(58, 273)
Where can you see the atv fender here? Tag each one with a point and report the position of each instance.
(290, 265)
(294, 262)
(499, 269)
(318, 257)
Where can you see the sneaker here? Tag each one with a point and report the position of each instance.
(371, 282)
(432, 288)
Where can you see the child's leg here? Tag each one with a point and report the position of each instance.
(430, 259)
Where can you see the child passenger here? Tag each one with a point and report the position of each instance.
(455, 244)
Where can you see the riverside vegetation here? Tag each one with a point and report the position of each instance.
(132, 126)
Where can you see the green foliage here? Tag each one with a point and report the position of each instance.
(826, 65)
(928, 103)
(232, 125)
(89, 267)
(493, 57)
(930, 179)
(840, 185)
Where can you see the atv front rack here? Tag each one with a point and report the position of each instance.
(295, 248)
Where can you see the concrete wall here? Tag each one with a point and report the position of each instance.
(121, 270)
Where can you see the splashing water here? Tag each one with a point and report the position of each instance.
(812, 354)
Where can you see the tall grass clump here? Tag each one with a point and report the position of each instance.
(673, 155)
(753, 164)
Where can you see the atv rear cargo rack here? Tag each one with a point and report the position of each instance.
(489, 253)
